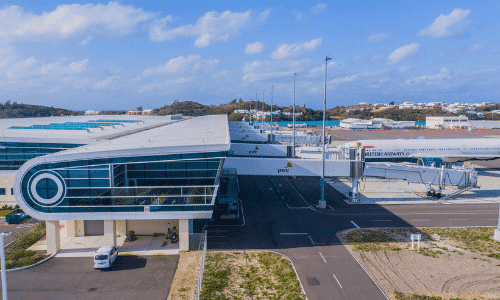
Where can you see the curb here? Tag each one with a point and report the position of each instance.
(343, 244)
(293, 266)
(33, 265)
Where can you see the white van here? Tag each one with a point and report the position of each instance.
(105, 257)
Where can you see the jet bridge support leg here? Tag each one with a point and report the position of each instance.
(354, 192)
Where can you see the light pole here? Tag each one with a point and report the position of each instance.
(293, 142)
(4, 271)
(272, 139)
(322, 202)
(250, 112)
(263, 116)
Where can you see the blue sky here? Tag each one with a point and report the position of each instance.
(120, 55)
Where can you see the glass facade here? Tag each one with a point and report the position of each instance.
(13, 155)
(179, 182)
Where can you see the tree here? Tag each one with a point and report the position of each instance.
(139, 108)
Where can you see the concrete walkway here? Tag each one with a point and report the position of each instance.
(87, 245)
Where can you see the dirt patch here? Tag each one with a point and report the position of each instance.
(186, 276)
(249, 275)
(452, 263)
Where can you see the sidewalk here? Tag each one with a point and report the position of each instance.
(87, 245)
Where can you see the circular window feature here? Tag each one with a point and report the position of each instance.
(47, 188)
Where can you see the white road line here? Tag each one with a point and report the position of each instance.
(337, 280)
(322, 257)
(297, 207)
(381, 220)
(299, 233)
(491, 219)
(331, 207)
(419, 220)
(356, 225)
(296, 191)
(458, 219)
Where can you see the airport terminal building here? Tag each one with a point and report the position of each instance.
(107, 175)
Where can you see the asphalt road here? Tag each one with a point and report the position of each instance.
(17, 228)
(133, 277)
(280, 215)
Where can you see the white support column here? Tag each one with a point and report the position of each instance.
(53, 237)
(71, 228)
(354, 197)
(109, 233)
(184, 235)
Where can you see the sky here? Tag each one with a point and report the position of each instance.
(120, 55)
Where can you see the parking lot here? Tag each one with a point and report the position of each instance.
(132, 277)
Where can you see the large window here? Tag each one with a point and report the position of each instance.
(13, 155)
(169, 182)
(2, 191)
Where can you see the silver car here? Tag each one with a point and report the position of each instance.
(105, 257)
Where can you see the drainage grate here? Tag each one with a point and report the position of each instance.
(312, 281)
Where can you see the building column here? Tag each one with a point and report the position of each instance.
(184, 235)
(71, 228)
(53, 236)
(109, 233)
(121, 227)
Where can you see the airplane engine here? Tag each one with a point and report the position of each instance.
(430, 162)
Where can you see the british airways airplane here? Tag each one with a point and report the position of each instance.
(428, 151)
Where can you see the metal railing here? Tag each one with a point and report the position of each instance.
(202, 265)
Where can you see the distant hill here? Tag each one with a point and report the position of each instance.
(16, 110)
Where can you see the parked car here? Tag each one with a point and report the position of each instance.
(16, 216)
(105, 257)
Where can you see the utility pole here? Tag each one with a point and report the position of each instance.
(322, 201)
(263, 116)
(250, 112)
(293, 142)
(272, 139)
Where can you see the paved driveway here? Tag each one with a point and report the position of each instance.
(133, 277)
(17, 228)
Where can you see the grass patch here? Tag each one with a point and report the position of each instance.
(401, 296)
(17, 255)
(254, 275)
(473, 239)
(3, 212)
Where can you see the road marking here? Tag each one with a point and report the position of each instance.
(331, 207)
(356, 225)
(459, 219)
(297, 191)
(419, 220)
(491, 219)
(298, 233)
(337, 280)
(297, 207)
(381, 220)
(322, 257)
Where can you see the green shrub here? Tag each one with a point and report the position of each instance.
(20, 254)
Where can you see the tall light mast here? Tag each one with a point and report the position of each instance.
(293, 142)
(272, 86)
(322, 201)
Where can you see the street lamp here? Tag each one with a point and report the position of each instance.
(322, 202)
(272, 139)
(293, 143)
(4, 270)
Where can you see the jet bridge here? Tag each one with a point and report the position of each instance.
(463, 177)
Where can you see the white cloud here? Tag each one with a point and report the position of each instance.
(104, 83)
(71, 20)
(170, 82)
(320, 70)
(318, 8)
(294, 50)
(380, 36)
(264, 15)
(444, 24)
(86, 41)
(182, 65)
(367, 76)
(254, 48)
(402, 52)
(376, 58)
(298, 16)
(357, 58)
(265, 70)
(475, 48)
(213, 26)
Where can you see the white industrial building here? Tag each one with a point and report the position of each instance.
(375, 123)
(459, 122)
